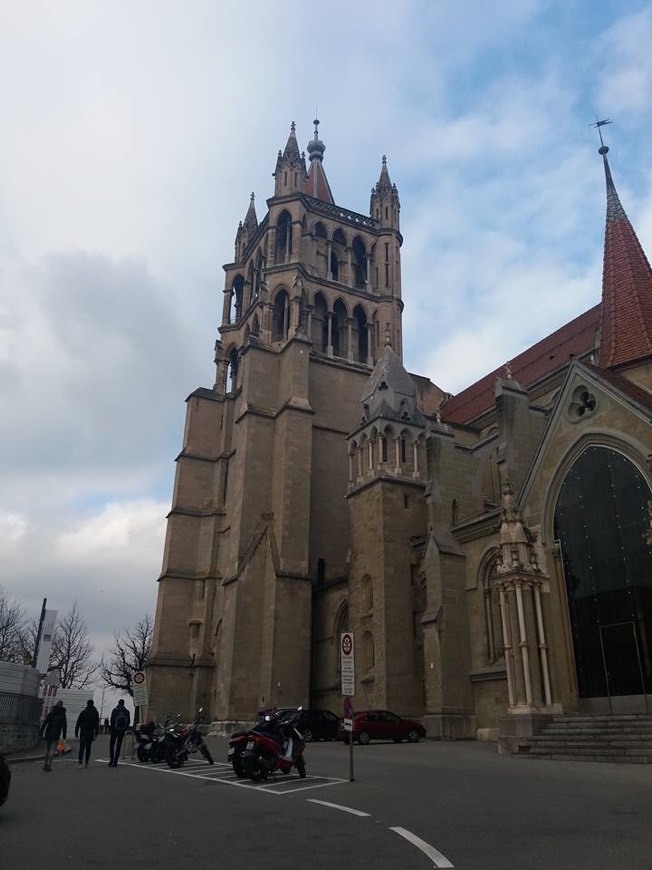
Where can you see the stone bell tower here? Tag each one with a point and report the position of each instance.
(259, 510)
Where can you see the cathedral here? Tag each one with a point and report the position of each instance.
(490, 550)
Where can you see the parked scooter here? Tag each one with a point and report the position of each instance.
(150, 742)
(274, 745)
(181, 742)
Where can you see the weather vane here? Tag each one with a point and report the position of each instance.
(597, 124)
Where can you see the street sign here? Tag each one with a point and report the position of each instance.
(348, 663)
(140, 689)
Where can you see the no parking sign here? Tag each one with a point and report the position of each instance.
(139, 684)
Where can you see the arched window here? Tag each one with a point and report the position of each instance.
(232, 371)
(494, 647)
(338, 254)
(319, 324)
(338, 329)
(360, 335)
(600, 522)
(321, 249)
(235, 305)
(359, 263)
(283, 238)
(280, 315)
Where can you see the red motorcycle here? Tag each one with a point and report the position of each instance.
(271, 746)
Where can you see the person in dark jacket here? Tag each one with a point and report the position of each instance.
(120, 718)
(87, 729)
(54, 726)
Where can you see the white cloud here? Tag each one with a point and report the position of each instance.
(131, 141)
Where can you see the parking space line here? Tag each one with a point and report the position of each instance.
(434, 855)
(223, 773)
(338, 807)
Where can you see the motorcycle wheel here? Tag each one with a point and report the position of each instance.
(174, 761)
(238, 768)
(142, 754)
(205, 752)
(301, 767)
(257, 770)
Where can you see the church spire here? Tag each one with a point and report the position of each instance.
(316, 184)
(246, 229)
(626, 286)
(290, 172)
(384, 205)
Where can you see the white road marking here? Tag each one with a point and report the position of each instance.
(436, 856)
(223, 773)
(338, 807)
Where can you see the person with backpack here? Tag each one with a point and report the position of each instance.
(120, 719)
(87, 729)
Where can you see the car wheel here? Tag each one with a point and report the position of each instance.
(413, 736)
(307, 735)
(363, 738)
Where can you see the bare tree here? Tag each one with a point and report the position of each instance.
(13, 627)
(72, 652)
(129, 653)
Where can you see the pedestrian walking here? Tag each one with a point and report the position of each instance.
(120, 719)
(106, 726)
(87, 729)
(53, 727)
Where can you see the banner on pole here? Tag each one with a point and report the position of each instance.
(45, 646)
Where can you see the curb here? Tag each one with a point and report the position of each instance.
(20, 760)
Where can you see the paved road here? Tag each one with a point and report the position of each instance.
(411, 807)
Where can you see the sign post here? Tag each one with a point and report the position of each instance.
(347, 660)
(139, 685)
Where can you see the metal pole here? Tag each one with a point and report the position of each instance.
(38, 633)
(351, 779)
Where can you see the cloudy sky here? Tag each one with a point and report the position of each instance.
(133, 132)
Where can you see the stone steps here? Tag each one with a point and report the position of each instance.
(620, 738)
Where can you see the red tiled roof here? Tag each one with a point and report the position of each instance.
(574, 339)
(626, 288)
(316, 184)
(624, 385)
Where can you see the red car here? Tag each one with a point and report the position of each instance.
(382, 725)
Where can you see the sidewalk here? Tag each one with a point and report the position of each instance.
(37, 752)
(217, 745)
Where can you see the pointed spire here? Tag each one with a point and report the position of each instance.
(317, 184)
(246, 230)
(626, 286)
(384, 204)
(390, 391)
(251, 220)
(292, 146)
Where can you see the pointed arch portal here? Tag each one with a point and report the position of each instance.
(600, 523)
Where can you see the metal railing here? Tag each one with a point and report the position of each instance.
(19, 709)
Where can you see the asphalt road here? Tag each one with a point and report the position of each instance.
(411, 807)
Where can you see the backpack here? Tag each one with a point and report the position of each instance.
(121, 721)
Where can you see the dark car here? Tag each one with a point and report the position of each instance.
(382, 725)
(5, 779)
(316, 724)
